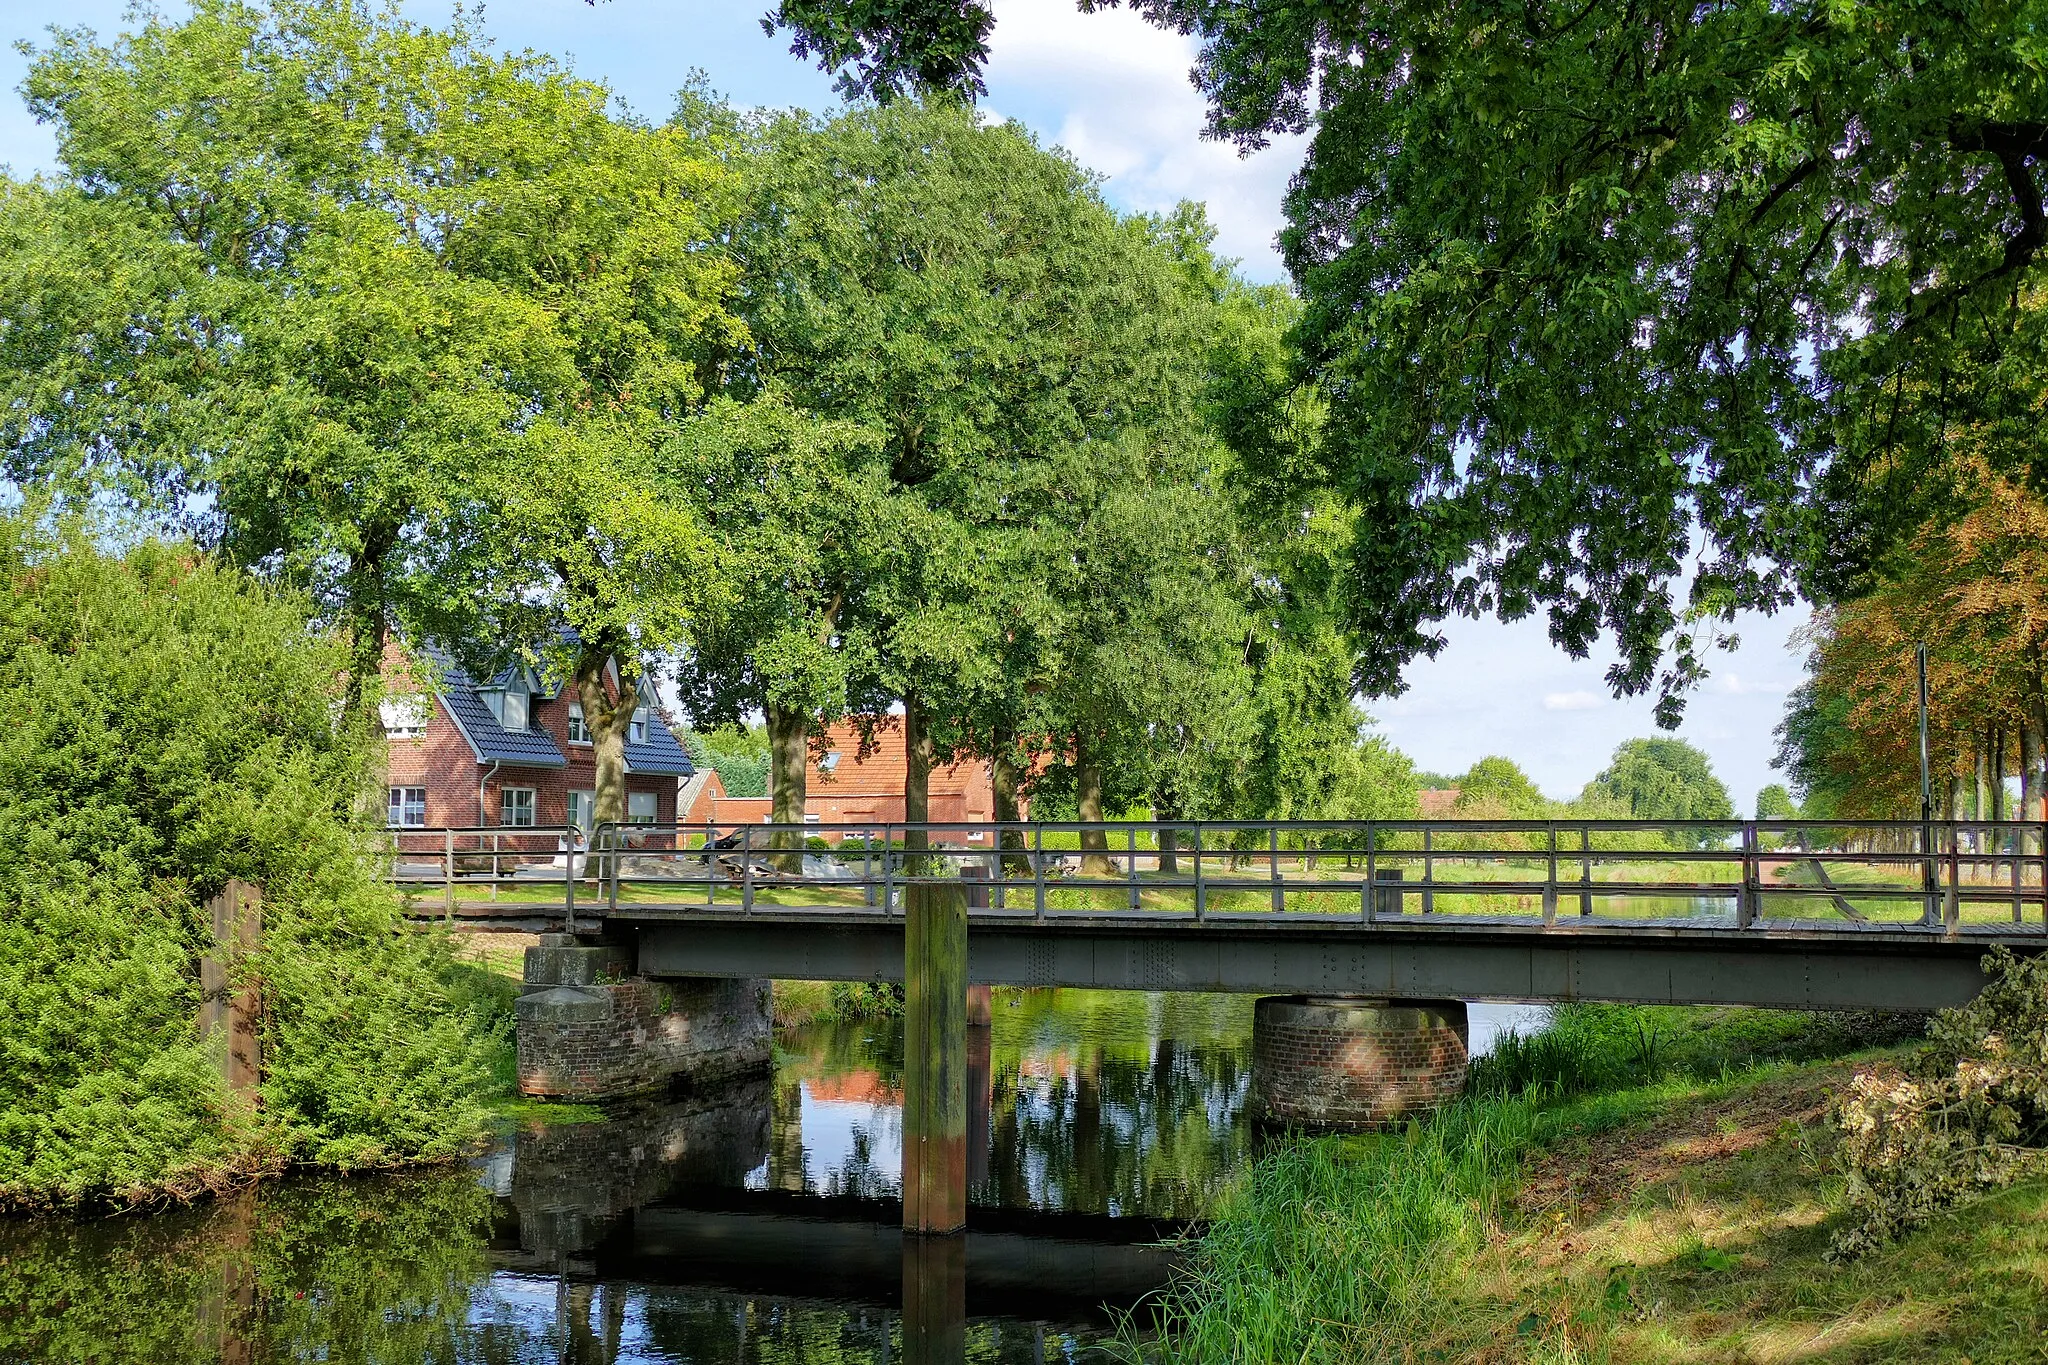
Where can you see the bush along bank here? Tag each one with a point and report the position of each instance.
(1655, 1185)
(173, 727)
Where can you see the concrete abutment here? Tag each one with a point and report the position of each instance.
(590, 1029)
(1355, 1063)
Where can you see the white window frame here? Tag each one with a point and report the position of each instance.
(508, 808)
(579, 729)
(650, 803)
(400, 804)
(525, 710)
(583, 810)
(636, 729)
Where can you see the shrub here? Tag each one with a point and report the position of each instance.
(173, 726)
(1969, 1115)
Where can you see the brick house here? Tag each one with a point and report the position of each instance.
(511, 751)
(843, 788)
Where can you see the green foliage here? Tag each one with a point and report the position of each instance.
(1969, 1116)
(1665, 779)
(175, 732)
(737, 753)
(1494, 788)
(1773, 802)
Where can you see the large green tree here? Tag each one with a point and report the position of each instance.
(1665, 779)
(1607, 297)
(1017, 352)
(381, 313)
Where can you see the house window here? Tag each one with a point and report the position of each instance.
(512, 710)
(637, 732)
(579, 733)
(404, 717)
(515, 806)
(642, 807)
(582, 809)
(408, 808)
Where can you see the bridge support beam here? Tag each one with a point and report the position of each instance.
(935, 1059)
(590, 1029)
(1355, 1063)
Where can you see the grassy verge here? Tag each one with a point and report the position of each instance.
(808, 1002)
(1635, 1186)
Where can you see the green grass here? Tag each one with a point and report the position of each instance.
(1634, 1185)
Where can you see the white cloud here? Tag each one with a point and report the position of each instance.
(1114, 91)
(1573, 701)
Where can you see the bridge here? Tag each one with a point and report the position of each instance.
(1376, 930)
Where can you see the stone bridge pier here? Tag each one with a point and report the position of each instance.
(1351, 1062)
(591, 1029)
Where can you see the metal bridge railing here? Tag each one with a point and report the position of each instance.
(1958, 876)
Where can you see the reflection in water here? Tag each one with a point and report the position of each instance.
(755, 1222)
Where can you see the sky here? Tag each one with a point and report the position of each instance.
(1114, 92)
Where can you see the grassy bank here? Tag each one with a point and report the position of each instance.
(1635, 1186)
(808, 1002)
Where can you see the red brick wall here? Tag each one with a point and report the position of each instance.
(1336, 1063)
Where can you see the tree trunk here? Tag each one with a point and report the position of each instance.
(789, 734)
(1997, 776)
(1088, 805)
(917, 771)
(607, 718)
(1164, 811)
(2030, 771)
(1004, 778)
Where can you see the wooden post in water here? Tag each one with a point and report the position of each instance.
(237, 930)
(934, 1300)
(935, 1058)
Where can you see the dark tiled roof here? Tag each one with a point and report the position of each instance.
(492, 741)
(660, 753)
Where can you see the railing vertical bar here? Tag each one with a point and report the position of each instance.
(1038, 873)
(448, 875)
(1202, 889)
(746, 869)
(1746, 896)
(1368, 908)
(613, 861)
(1428, 873)
(1131, 863)
(569, 879)
(867, 867)
(2019, 848)
(1550, 875)
(1273, 858)
(1585, 872)
(1952, 909)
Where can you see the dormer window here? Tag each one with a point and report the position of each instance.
(509, 705)
(636, 732)
(579, 730)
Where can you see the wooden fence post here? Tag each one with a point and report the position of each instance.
(237, 914)
(935, 1058)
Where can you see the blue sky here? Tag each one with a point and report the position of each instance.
(1114, 92)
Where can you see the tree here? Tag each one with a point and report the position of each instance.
(1494, 788)
(968, 298)
(234, 309)
(1590, 286)
(397, 319)
(1773, 802)
(1666, 779)
(795, 507)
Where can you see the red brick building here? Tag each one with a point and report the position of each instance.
(510, 751)
(843, 788)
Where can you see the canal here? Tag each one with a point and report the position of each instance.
(755, 1222)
